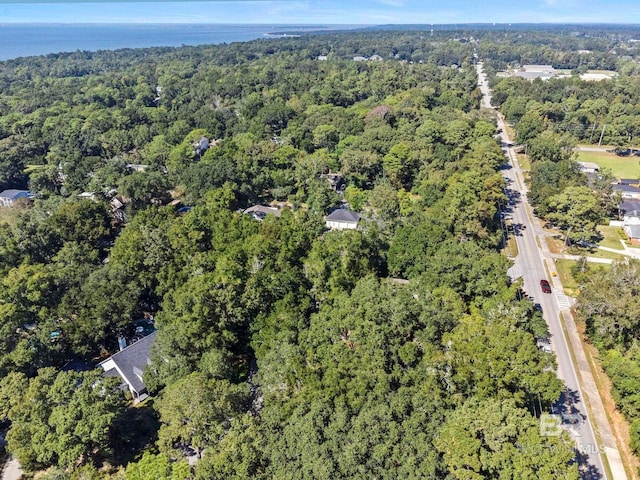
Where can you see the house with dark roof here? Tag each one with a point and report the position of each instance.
(342, 219)
(260, 212)
(11, 196)
(630, 212)
(336, 181)
(627, 191)
(129, 363)
(634, 182)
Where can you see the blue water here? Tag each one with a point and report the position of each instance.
(21, 40)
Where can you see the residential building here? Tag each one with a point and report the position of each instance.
(129, 363)
(633, 233)
(11, 196)
(342, 219)
(627, 191)
(260, 212)
(630, 212)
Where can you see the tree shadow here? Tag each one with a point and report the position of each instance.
(136, 429)
(588, 471)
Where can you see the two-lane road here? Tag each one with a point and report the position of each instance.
(530, 265)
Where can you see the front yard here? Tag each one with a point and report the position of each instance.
(621, 167)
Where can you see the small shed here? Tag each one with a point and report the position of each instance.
(588, 167)
(342, 219)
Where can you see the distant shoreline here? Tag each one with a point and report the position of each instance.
(19, 40)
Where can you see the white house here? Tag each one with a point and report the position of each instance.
(11, 196)
(342, 219)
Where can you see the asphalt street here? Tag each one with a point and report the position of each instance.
(570, 410)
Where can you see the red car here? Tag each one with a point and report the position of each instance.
(546, 288)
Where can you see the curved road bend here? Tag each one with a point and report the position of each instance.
(529, 264)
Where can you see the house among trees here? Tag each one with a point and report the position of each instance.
(128, 364)
(633, 182)
(531, 72)
(11, 196)
(336, 181)
(87, 196)
(260, 212)
(627, 190)
(342, 219)
(201, 146)
(630, 212)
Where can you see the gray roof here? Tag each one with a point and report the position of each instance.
(538, 68)
(132, 360)
(533, 75)
(343, 215)
(619, 187)
(263, 209)
(629, 206)
(633, 231)
(589, 165)
(14, 194)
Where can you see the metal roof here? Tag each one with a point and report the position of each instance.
(14, 194)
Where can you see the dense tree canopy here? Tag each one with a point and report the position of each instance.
(283, 350)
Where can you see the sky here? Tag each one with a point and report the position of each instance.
(323, 12)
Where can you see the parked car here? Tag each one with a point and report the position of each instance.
(546, 288)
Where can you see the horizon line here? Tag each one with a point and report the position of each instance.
(326, 24)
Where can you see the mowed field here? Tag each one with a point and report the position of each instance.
(621, 167)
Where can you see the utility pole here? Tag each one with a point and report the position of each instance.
(595, 122)
(602, 134)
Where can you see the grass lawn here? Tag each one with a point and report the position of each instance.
(621, 167)
(523, 160)
(510, 131)
(9, 215)
(556, 245)
(511, 248)
(612, 236)
(563, 269)
(593, 252)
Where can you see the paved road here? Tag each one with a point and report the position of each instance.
(12, 470)
(530, 264)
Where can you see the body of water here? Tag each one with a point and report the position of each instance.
(22, 40)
